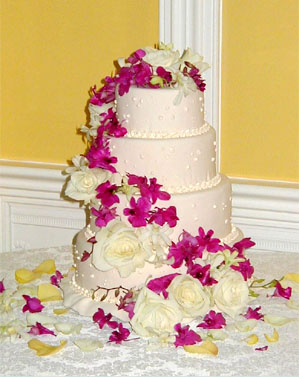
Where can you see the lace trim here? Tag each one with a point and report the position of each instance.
(134, 134)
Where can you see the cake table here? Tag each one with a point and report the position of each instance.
(133, 358)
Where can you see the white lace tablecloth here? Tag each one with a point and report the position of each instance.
(132, 358)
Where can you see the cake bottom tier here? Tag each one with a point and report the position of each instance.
(85, 288)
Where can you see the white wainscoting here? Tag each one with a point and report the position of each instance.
(33, 214)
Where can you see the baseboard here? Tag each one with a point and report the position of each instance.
(34, 215)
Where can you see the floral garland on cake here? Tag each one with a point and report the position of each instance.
(211, 281)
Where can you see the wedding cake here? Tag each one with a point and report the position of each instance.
(160, 248)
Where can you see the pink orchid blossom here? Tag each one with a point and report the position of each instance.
(206, 241)
(85, 256)
(265, 348)
(39, 329)
(152, 191)
(136, 56)
(106, 94)
(242, 245)
(166, 76)
(2, 288)
(159, 285)
(186, 249)
(185, 336)
(254, 314)
(202, 273)
(104, 215)
(100, 157)
(56, 279)
(126, 304)
(164, 215)
(101, 319)
(136, 180)
(120, 335)
(138, 212)
(282, 292)
(213, 320)
(106, 192)
(111, 124)
(142, 74)
(245, 268)
(33, 304)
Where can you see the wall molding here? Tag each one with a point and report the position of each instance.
(34, 215)
(198, 24)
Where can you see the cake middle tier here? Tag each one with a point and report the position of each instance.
(179, 164)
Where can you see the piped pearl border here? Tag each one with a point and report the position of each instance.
(143, 134)
(195, 187)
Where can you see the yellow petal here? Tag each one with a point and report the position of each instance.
(276, 320)
(292, 304)
(46, 267)
(88, 345)
(24, 276)
(247, 325)
(251, 339)
(274, 338)
(43, 349)
(206, 348)
(292, 277)
(60, 311)
(48, 292)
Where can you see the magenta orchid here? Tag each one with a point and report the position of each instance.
(213, 320)
(56, 279)
(101, 319)
(282, 292)
(152, 191)
(33, 304)
(205, 241)
(127, 304)
(111, 124)
(185, 336)
(164, 215)
(254, 314)
(100, 157)
(2, 288)
(106, 94)
(106, 192)
(138, 212)
(245, 268)
(202, 273)
(119, 336)
(160, 285)
(39, 329)
(104, 215)
(85, 256)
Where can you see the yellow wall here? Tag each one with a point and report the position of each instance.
(260, 126)
(52, 52)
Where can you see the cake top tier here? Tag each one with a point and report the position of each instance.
(154, 68)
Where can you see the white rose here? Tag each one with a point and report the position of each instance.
(82, 184)
(118, 247)
(154, 315)
(194, 59)
(231, 293)
(191, 296)
(160, 58)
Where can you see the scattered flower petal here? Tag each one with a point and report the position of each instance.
(33, 304)
(44, 319)
(217, 334)
(292, 277)
(262, 348)
(282, 292)
(24, 276)
(213, 320)
(274, 338)
(2, 288)
(48, 292)
(247, 325)
(292, 304)
(276, 320)
(46, 267)
(39, 329)
(206, 348)
(60, 311)
(68, 328)
(251, 339)
(254, 313)
(88, 345)
(43, 349)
